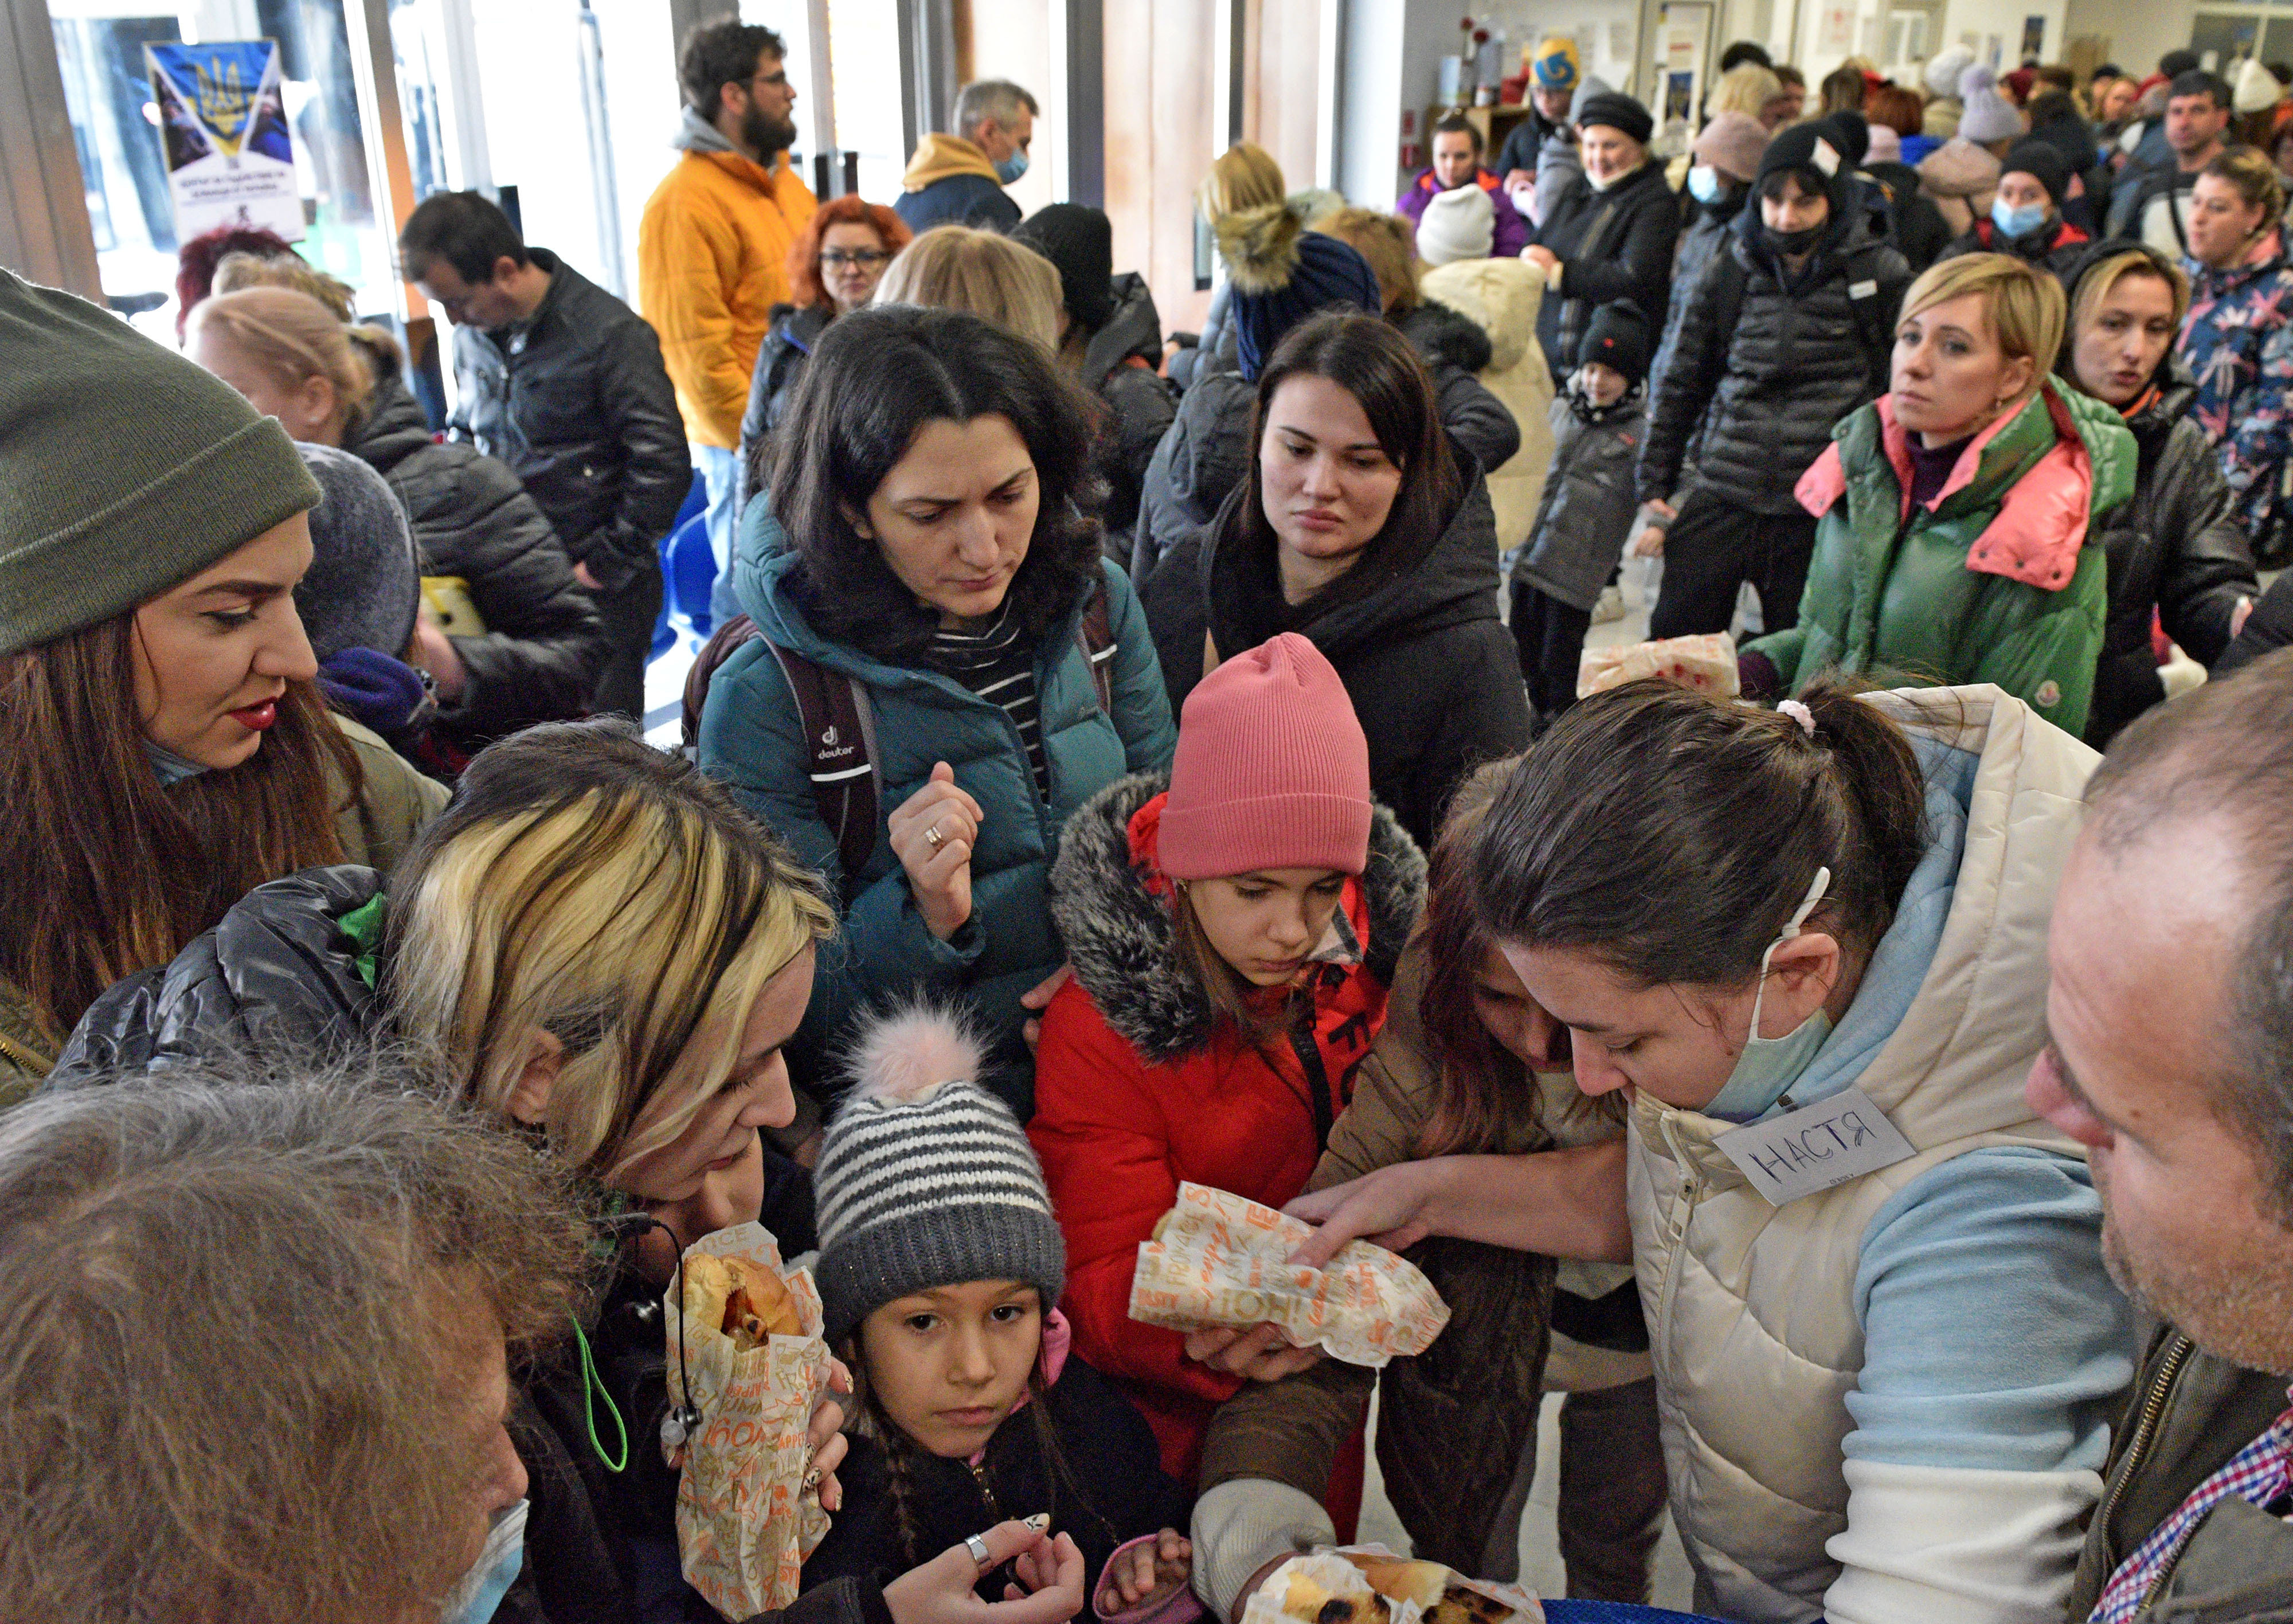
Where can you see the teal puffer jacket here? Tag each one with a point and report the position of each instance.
(2001, 579)
(751, 738)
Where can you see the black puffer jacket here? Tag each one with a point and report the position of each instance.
(1918, 230)
(580, 406)
(1414, 636)
(2059, 248)
(543, 645)
(1707, 233)
(278, 977)
(780, 363)
(2174, 549)
(1615, 245)
(1205, 452)
(1455, 349)
(1798, 359)
(1119, 364)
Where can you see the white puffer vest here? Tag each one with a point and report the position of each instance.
(1750, 1307)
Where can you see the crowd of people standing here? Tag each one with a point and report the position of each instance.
(1123, 758)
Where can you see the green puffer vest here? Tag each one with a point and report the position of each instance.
(2002, 580)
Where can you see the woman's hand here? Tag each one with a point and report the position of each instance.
(825, 1436)
(1148, 1571)
(433, 651)
(1259, 1354)
(941, 1590)
(1392, 1207)
(1544, 258)
(933, 833)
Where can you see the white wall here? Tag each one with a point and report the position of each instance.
(2138, 35)
(1978, 23)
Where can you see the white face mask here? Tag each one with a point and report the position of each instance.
(1769, 1066)
(479, 1593)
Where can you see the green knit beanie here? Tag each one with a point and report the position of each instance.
(125, 470)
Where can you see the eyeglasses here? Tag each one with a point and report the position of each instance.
(867, 259)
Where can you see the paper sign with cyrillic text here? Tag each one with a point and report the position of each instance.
(1816, 1147)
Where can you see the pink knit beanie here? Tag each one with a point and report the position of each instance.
(1271, 770)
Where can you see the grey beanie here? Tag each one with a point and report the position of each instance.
(925, 1179)
(125, 470)
(364, 583)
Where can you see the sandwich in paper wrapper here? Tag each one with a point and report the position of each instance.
(745, 1519)
(1217, 1258)
(1705, 664)
(1367, 1584)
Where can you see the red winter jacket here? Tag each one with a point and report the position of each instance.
(1140, 1084)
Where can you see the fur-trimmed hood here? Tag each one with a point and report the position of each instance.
(1259, 245)
(1124, 948)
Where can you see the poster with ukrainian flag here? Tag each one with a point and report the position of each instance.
(222, 125)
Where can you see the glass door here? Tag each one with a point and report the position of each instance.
(117, 128)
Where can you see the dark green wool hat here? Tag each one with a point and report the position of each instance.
(125, 470)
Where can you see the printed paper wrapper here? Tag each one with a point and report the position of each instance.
(1705, 664)
(1339, 1573)
(745, 1522)
(1219, 1260)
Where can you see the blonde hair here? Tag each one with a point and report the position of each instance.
(244, 270)
(982, 273)
(292, 336)
(1387, 241)
(2105, 275)
(586, 885)
(1745, 88)
(1243, 176)
(2023, 305)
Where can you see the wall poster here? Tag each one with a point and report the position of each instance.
(224, 132)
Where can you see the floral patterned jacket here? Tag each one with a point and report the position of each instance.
(2237, 343)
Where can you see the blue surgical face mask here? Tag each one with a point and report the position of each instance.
(1704, 184)
(1769, 1066)
(474, 1601)
(1012, 168)
(2017, 222)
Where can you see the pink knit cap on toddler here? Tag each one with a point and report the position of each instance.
(1271, 770)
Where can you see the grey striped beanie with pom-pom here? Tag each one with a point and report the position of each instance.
(924, 1179)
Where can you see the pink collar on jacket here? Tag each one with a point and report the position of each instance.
(1058, 1341)
(2036, 534)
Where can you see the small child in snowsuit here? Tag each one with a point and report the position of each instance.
(1587, 508)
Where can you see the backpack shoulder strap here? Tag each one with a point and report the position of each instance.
(841, 738)
(721, 645)
(1870, 326)
(1096, 634)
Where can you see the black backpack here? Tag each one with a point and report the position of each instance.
(847, 782)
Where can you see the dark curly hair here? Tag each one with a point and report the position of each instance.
(876, 377)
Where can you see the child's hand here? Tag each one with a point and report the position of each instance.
(1261, 1354)
(1148, 1571)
